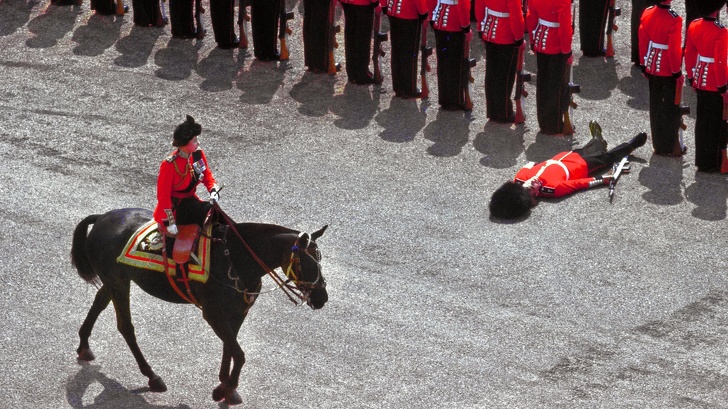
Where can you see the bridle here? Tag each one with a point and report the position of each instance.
(297, 290)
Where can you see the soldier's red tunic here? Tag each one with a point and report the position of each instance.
(565, 173)
(405, 9)
(500, 21)
(706, 55)
(549, 24)
(178, 179)
(450, 15)
(660, 37)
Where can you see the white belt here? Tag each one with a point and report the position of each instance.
(449, 2)
(658, 46)
(548, 23)
(557, 162)
(489, 12)
(706, 59)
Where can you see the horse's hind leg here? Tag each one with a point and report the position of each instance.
(126, 328)
(103, 297)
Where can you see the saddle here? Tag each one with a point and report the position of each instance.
(184, 242)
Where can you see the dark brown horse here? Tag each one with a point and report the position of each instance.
(241, 254)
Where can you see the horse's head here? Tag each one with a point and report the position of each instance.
(304, 269)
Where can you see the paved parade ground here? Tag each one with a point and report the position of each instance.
(432, 304)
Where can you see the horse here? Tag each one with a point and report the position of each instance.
(240, 255)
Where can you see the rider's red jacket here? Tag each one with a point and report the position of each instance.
(178, 179)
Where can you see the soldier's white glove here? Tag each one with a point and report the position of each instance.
(172, 230)
(214, 195)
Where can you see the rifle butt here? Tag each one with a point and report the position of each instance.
(610, 47)
(568, 125)
(284, 55)
(424, 89)
(724, 161)
(119, 7)
(520, 116)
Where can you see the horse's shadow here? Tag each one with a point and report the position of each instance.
(112, 395)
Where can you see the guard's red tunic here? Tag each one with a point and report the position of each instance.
(706, 54)
(660, 38)
(450, 15)
(405, 9)
(561, 175)
(500, 21)
(549, 25)
(178, 179)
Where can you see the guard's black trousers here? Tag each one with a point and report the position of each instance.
(405, 40)
(711, 133)
(552, 92)
(451, 68)
(358, 22)
(264, 16)
(501, 61)
(592, 26)
(318, 35)
(664, 115)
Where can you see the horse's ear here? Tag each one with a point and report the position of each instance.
(318, 233)
(303, 240)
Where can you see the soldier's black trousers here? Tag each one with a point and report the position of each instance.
(638, 6)
(664, 115)
(711, 133)
(358, 22)
(552, 92)
(500, 75)
(317, 34)
(592, 26)
(451, 68)
(405, 40)
(182, 18)
(222, 17)
(264, 16)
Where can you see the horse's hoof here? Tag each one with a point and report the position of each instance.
(85, 354)
(233, 397)
(219, 393)
(156, 384)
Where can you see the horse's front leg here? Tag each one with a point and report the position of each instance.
(228, 332)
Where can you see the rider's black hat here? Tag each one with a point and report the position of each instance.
(186, 131)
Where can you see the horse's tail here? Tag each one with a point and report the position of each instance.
(79, 258)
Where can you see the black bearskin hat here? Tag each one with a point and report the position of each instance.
(186, 131)
(510, 201)
(704, 7)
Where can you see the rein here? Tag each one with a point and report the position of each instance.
(291, 292)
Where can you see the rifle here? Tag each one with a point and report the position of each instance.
(569, 127)
(684, 110)
(611, 27)
(120, 8)
(425, 66)
(521, 75)
(283, 30)
(469, 64)
(243, 19)
(334, 29)
(161, 14)
(377, 52)
(199, 11)
(622, 167)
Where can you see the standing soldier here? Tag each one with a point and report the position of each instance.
(451, 23)
(592, 26)
(405, 23)
(222, 13)
(182, 18)
(706, 60)
(501, 26)
(358, 23)
(660, 35)
(319, 35)
(638, 7)
(148, 13)
(264, 16)
(549, 24)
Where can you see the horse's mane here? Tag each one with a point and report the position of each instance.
(263, 228)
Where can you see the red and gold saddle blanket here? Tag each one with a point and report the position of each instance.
(144, 250)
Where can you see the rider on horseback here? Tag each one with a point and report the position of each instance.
(179, 175)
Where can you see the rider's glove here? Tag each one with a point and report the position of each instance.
(214, 195)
